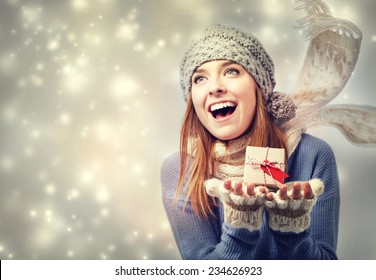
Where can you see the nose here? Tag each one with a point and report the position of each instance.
(217, 87)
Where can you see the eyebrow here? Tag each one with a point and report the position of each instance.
(224, 64)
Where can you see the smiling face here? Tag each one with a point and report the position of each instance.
(224, 98)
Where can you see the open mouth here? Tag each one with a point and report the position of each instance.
(222, 110)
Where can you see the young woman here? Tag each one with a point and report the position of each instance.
(228, 82)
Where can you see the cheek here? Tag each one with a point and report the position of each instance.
(250, 108)
(250, 114)
(198, 101)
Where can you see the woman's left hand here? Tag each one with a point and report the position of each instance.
(299, 190)
(290, 207)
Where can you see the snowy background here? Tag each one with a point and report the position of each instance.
(90, 105)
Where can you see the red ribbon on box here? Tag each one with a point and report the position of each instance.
(269, 168)
(273, 171)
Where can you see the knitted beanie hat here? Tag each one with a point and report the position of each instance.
(227, 43)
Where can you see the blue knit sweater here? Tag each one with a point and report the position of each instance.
(200, 238)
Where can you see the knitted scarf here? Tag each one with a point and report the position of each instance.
(329, 62)
(229, 158)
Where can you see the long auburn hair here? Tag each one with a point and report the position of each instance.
(197, 152)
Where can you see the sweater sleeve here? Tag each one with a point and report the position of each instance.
(314, 159)
(201, 238)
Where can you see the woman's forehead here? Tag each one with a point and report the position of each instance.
(215, 63)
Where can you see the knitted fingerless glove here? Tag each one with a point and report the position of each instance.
(242, 211)
(293, 215)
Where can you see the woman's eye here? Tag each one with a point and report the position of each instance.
(232, 71)
(198, 79)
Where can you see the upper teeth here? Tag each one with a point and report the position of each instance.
(221, 105)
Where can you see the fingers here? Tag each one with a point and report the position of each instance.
(283, 192)
(296, 191)
(269, 196)
(227, 185)
(251, 189)
(299, 189)
(307, 190)
(262, 189)
(238, 189)
(241, 193)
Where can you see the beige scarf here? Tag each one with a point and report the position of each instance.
(329, 62)
(229, 158)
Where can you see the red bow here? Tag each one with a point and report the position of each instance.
(276, 173)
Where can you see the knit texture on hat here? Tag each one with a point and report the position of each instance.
(222, 42)
(227, 43)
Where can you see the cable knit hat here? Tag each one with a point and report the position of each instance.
(227, 43)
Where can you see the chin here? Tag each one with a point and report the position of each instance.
(226, 136)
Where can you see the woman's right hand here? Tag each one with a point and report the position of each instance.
(238, 188)
(243, 203)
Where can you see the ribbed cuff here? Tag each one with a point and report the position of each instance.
(245, 216)
(290, 215)
(288, 224)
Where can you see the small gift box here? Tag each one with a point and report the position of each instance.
(264, 166)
